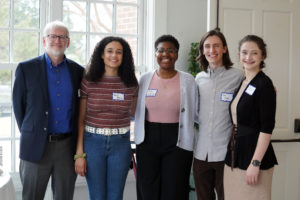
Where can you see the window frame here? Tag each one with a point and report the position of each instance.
(141, 21)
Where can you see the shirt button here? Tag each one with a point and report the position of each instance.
(45, 129)
(46, 112)
(181, 126)
(182, 110)
(58, 82)
(57, 108)
(56, 122)
(58, 94)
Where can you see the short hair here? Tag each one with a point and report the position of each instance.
(55, 25)
(96, 67)
(203, 63)
(260, 43)
(167, 38)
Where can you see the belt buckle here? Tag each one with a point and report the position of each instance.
(122, 130)
(50, 138)
(107, 132)
(114, 131)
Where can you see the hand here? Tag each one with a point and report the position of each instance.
(80, 166)
(252, 175)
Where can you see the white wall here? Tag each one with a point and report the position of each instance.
(186, 20)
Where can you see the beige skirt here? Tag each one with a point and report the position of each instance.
(236, 188)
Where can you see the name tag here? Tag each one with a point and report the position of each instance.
(250, 89)
(151, 92)
(227, 97)
(116, 96)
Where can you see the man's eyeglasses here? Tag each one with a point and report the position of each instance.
(169, 51)
(59, 37)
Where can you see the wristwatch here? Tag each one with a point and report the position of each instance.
(256, 163)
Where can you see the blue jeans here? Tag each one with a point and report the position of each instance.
(108, 161)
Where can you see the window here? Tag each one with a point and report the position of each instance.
(91, 20)
(20, 35)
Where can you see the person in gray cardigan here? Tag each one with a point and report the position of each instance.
(164, 127)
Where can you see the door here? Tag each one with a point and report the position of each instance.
(278, 22)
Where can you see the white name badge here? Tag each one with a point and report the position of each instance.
(227, 97)
(117, 96)
(151, 92)
(250, 89)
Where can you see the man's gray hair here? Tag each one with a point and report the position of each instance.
(54, 25)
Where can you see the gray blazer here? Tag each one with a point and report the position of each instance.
(188, 109)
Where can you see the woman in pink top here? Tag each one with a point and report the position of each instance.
(108, 97)
(164, 127)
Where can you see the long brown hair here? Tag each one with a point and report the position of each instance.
(203, 63)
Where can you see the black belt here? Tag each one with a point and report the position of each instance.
(54, 137)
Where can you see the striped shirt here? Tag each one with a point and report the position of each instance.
(109, 102)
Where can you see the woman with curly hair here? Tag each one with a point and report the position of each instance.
(108, 97)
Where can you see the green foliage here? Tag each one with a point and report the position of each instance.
(77, 48)
(4, 13)
(25, 16)
(26, 13)
(4, 44)
(5, 77)
(194, 68)
(25, 46)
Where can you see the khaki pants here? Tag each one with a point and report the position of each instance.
(236, 188)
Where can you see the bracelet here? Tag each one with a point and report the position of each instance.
(79, 156)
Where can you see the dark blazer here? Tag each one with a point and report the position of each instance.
(255, 114)
(31, 104)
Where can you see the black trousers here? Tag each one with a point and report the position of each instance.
(163, 169)
(208, 177)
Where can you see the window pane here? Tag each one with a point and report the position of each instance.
(6, 158)
(26, 13)
(4, 45)
(25, 45)
(77, 48)
(17, 161)
(128, 1)
(75, 15)
(133, 45)
(5, 103)
(101, 17)
(127, 19)
(4, 13)
(94, 39)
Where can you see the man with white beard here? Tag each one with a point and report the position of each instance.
(45, 102)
